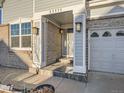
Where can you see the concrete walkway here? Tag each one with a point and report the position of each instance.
(98, 82)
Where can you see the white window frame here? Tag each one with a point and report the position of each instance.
(20, 41)
(1, 15)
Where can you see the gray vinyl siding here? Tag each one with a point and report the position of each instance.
(13, 9)
(79, 44)
(79, 49)
(42, 5)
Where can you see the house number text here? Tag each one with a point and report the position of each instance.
(56, 10)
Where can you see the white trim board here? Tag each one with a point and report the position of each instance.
(107, 15)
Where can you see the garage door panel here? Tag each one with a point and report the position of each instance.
(101, 45)
(105, 69)
(119, 58)
(101, 65)
(102, 49)
(104, 59)
(103, 62)
(119, 44)
(102, 53)
(107, 53)
(120, 66)
(118, 71)
(119, 50)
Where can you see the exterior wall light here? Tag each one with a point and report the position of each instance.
(61, 31)
(78, 26)
(35, 30)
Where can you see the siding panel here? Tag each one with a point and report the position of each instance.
(42, 5)
(14, 9)
(78, 49)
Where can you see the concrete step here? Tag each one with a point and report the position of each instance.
(46, 72)
(74, 76)
(65, 60)
(33, 70)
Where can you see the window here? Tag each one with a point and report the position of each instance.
(120, 33)
(26, 41)
(26, 34)
(26, 28)
(15, 35)
(21, 35)
(107, 34)
(94, 34)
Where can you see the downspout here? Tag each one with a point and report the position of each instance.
(33, 8)
(33, 34)
(32, 44)
(87, 42)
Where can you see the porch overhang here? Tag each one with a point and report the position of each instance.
(64, 19)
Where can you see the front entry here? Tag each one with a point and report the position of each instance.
(59, 40)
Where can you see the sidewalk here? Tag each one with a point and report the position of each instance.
(98, 82)
(22, 78)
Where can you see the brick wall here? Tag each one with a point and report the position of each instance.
(12, 58)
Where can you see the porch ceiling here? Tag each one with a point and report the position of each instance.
(62, 18)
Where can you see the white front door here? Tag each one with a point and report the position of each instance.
(70, 40)
(107, 50)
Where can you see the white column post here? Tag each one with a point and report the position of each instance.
(80, 42)
(40, 43)
(44, 27)
(37, 56)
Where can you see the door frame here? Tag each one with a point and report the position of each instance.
(89, 40)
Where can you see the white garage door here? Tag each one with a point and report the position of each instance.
(107, 50)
